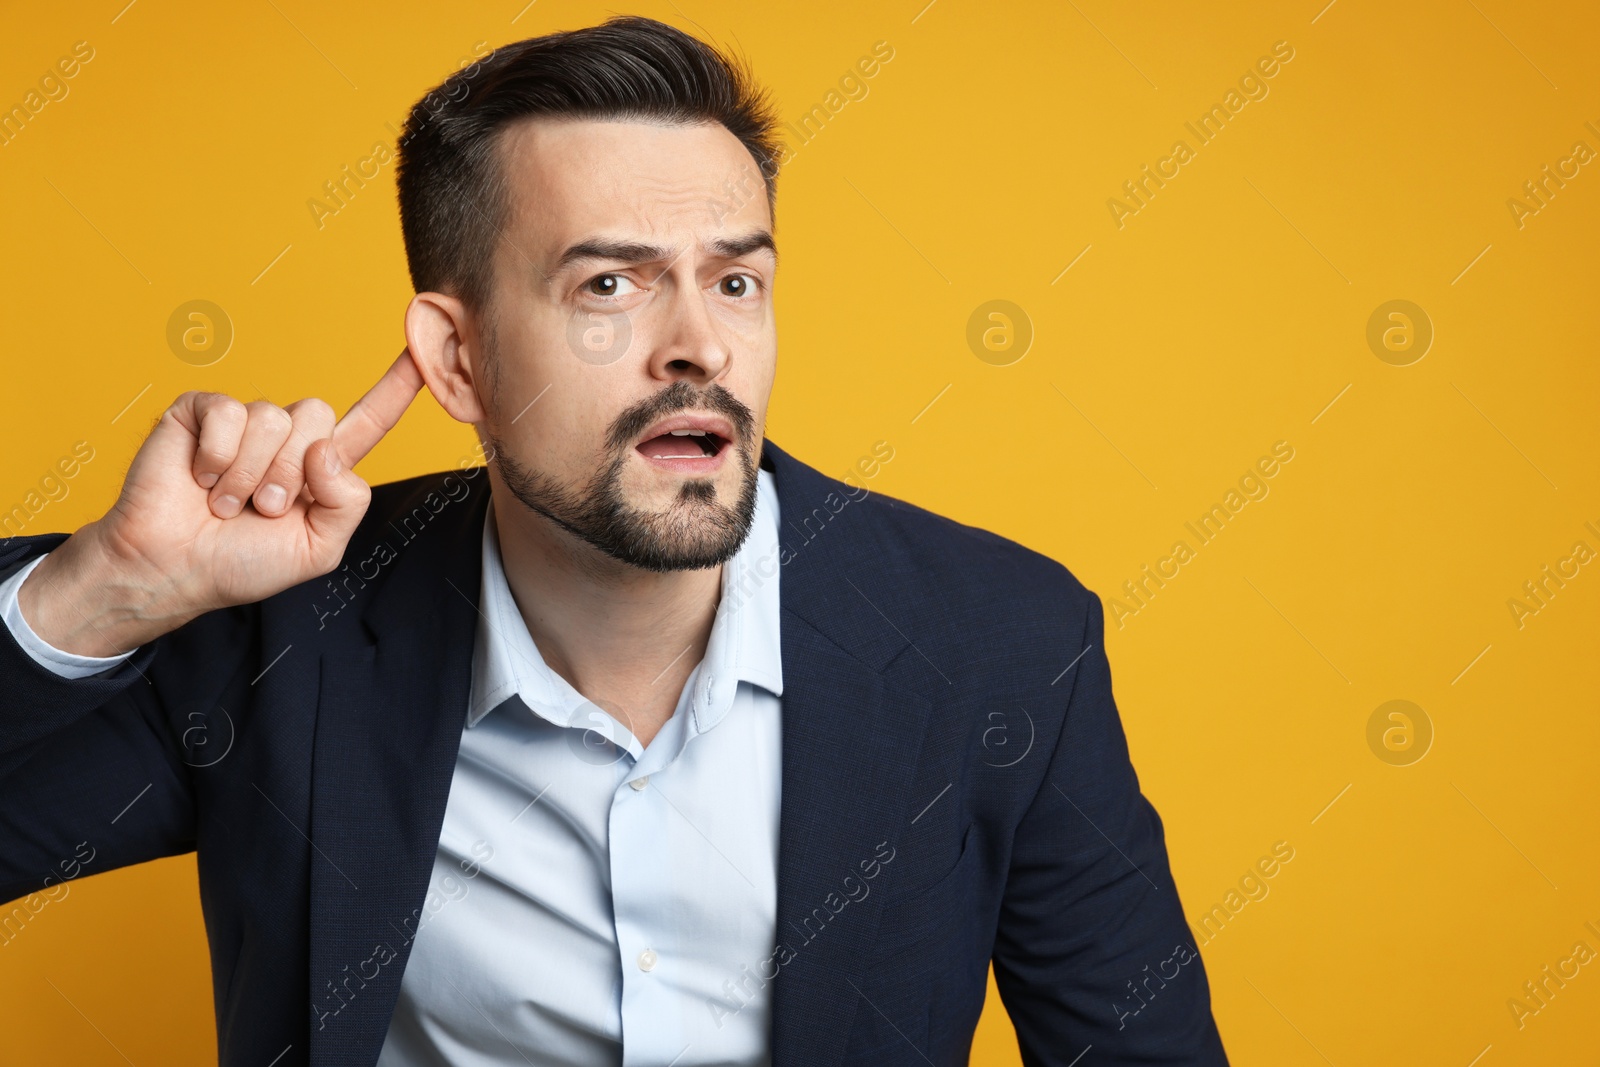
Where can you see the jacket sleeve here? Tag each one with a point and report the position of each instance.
(1092, 948)
(91, 770)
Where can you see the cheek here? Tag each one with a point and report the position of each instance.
(552, 409)
(564, 433)
(753, 339)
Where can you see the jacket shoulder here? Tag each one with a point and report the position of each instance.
(967, 563)
(397, 497)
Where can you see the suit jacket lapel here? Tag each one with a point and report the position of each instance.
(387, 735)
(850, 744)
(389, 726)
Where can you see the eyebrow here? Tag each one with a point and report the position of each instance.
(594, 248)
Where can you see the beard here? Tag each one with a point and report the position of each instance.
(696, 531)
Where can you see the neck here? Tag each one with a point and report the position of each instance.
(616, 632)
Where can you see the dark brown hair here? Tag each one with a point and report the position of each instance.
(452, 193)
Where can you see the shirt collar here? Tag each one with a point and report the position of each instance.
(744, 645)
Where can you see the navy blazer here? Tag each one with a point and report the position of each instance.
(956, 789)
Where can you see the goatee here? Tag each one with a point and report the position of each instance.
(696, 531)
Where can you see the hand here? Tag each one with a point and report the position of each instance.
(225, 503)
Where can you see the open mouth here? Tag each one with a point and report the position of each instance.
(701, 448)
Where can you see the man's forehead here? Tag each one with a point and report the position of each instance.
(568, 179)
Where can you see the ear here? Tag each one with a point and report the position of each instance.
(445, 344)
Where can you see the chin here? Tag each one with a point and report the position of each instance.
(694, 524)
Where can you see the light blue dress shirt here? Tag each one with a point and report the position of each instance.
(592, 901)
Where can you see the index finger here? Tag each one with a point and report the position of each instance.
(377, 412)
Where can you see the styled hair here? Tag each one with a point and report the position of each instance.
(453, 203)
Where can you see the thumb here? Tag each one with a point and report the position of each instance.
(341, 497)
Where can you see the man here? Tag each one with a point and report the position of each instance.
(528, 761)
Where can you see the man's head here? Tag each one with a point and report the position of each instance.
(588, 221)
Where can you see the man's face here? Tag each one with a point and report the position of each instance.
(632, 294)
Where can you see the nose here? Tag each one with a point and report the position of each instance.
(691, 346)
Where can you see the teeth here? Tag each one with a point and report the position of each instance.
(688, 433)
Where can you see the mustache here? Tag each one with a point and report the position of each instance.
(680, 396)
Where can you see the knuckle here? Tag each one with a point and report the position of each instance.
(313, 408)
(269, 415)
(224, 410)
(217, 450)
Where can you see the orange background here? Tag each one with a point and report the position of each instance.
(1229, 312)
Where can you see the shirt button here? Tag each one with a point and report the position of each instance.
(647, 960)
(638, 787)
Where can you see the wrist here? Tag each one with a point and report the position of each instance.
(88, 599)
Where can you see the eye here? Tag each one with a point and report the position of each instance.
(606, 285)
(740, 285)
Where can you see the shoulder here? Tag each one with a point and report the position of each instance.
(936, 579)
(970, 560)
(391, 499)
(939, 540)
